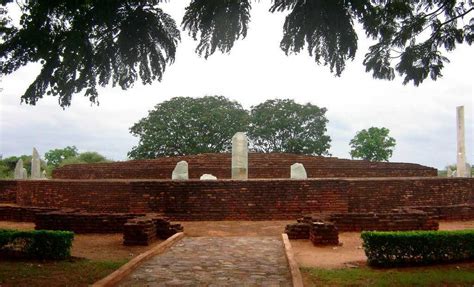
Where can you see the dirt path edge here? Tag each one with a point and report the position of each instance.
(290, 257)
(118, 275)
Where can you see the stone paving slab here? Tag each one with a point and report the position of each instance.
(216, 261)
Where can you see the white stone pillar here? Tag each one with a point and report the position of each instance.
(298, 171)
(180, 171)
(35, 165)
(239, 156)
(461, 150)
(18, 173)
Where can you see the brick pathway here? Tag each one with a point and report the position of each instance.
(216, 261)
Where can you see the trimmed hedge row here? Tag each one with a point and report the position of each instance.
(38, 244)
(417, 247)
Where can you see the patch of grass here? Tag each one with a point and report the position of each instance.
(74, 272)
(462, 275)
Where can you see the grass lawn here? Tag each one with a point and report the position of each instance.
(73, 272)
(446, 275)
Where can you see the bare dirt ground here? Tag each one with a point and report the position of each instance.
(109, 247)
(234, 228)
(93, 246)
(350, 254)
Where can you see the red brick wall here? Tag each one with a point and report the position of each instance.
(272, 165)
(8, 191)
(227, 199)
(94, 196)
(251, 199)
(191, 200)
(383, 195)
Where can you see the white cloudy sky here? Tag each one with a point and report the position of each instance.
(422, 119)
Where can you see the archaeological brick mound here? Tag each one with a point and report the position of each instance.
(261, 165)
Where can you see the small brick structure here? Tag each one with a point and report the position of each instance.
(139, 231)
(323, 233)
(144, 230)
(299, 230)
(396, 220)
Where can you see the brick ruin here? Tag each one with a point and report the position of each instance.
(261, 165)
(349, 191)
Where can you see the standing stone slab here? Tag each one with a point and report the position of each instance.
(298, 171)
(239, 156)
(461, 150)
(24, 173)
(468, 170)
(35, 165)
(449, 172)
(18, 173)
(180, 171)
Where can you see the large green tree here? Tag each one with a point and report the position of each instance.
(286, 126)
(373, 144)
(83, 44)
(186, 125)
(55, 156)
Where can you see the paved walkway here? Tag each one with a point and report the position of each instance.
(216, 261)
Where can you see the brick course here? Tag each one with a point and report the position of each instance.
(82, 222)
(246, 200)
(8, 191)
(270, 165)
(323, 233)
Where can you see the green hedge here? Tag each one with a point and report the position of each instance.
(38, 244)
(417, 247)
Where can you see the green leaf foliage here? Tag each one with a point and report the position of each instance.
(324, 27)
(85, 157)
(286, 126)
(417, 247)
(373, 144)
(186, 125)
(84, 44)
(219, 23)
(37, 244)
(55, 156)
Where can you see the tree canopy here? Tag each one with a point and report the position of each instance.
(84, 44)
(85, 157)
(187, 125)
(183, 126)
(286, 126)
(55, 156)
(373, 144)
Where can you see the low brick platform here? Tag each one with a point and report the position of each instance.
(83, 222)
(397, 220)
(451, 212)
(22, 213)
(323, 233)
(145, 230)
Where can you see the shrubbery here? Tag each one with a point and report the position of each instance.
(38, 244)
(417, 247)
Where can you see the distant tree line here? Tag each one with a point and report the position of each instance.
(52, 159)
(184, 126)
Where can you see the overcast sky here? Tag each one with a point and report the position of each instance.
(422, 119)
